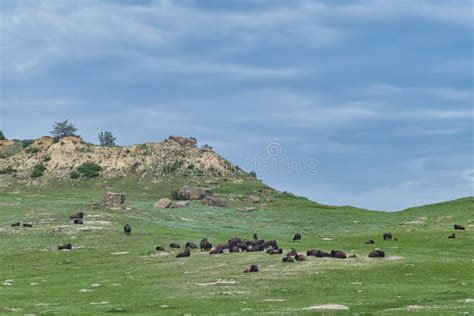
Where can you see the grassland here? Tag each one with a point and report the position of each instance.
(107, 272)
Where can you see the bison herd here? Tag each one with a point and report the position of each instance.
(237, 244)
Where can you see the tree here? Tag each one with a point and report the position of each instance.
(2, 137)
(107, 139)
(63, 129)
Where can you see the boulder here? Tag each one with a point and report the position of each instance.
(114, 198)
(188, 193)
(254, 199)
(183, 141)
(214, 201)
(163, 203)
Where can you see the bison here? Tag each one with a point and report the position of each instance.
(387, 236)
(377, 254)
(15, 224)
(234, 249)
(205, 245)
(216, 250)
(274, 251)
(292, 253)
(78, 221)
(159, 248)
(255, 237)
(77, 215)
(370, 242)
(288, 259)
(185, 253)
(458, 227)
(452, 236)
(27, 225)
(127, 230)
(190, 245)
(297, 237)
(253, 268)
(300, 258)
(271, 243)
(65, 247)
(175, 245)
(338, 254)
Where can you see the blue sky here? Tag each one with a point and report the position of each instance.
(379, 93)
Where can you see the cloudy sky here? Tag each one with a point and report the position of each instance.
(378, 93)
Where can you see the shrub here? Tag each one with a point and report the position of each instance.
(2, 136)
(89, 170)
(170, 168)
(74, 175)
(253, 174)
(7, 170)
(38, 171)
(46, 158)
(26, 142)
(63, 129)
(32, 150)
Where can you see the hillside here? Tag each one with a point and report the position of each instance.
(176, 155)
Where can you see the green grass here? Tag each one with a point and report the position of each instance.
(424, 270)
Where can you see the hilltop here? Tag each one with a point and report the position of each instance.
(173, 156)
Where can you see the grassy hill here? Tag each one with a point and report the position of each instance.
(108, 272)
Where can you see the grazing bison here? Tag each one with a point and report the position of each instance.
(127, 230)
(77, 215)
(288, 259)
(377, 254)
(190, 245)
(253, 268)
(292, 253)
(158, 248)
(175, 245)
(273, 251)
(255, 237)
(458, 227)
(297, 237)
(15, 224)
(370, 242)
(27, 225)
(271, 243)
(300, 258)
(338, 254)
(185, 253)
(205, 245)
(452, 236)
(216, 250)
(65, 247)
(78, 221)
(387, 236)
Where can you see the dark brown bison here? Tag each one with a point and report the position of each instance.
(190, 245)
(458, 227)
(273, 251)
(271, 243)
(452, 236)
(127, 230)
(253, 268)
(78, 221)
(297, 237)
(205, 245)
(77, 215)
(370, 242)
(185, 253)
(234, 248)
(387, 236)
(15, 224)
(159, 248)
(300, 258)
(377, 254)
(27, 225)
(317, 253)
(255, 237)
(288, 259)
(175, 245)
(216, 250)
(338, 254)
(65, 247)
(292, 253)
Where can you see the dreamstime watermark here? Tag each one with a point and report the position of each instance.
(274, 164)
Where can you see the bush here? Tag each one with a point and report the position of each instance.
(38, 171)
(170, 168)
(253, 174)
(27, 142)
(32, 150)
(7, 170)
(63, 129)
(89, 170)
(46, 158)
(2, 136)
(74, 175)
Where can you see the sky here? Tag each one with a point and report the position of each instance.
(363, 103)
